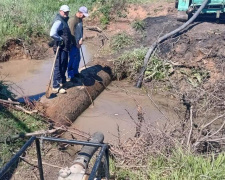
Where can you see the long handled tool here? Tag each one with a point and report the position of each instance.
(49, 89)
(83, 57)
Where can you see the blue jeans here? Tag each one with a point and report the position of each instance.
(74, 61)
(61, 62)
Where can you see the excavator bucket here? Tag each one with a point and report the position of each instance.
(182, 6)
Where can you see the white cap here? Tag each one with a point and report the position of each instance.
(64, 8)
(84, 10)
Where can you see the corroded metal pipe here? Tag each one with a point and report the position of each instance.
(77, 171)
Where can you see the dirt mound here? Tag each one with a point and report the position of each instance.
(17, 49)
(158, 26)
(202, 46)
(197, 59)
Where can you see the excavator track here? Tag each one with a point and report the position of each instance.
(182, 16)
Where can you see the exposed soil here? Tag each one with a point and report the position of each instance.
(16, 49)
(199, 49)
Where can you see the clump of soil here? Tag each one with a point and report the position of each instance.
(17, 49)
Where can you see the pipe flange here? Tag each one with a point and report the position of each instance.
(65, 172)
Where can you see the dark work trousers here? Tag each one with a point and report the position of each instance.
(60, 68)
(74, 61)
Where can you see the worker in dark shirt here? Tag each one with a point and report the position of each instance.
(76, 28)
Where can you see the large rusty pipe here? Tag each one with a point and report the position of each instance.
(65, 108)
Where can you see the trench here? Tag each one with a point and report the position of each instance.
(29, 78)
(113, 112)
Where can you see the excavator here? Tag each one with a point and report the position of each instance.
(186, 8)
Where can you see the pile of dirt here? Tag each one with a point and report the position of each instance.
(17, 49)
(197, 80)
(200, 45)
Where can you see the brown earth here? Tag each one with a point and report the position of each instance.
(199, 48)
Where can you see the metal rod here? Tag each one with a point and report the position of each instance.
(71, 141)
(39, 159)
(97, 163)
(107, 175)
(83, 57)
(16, 156)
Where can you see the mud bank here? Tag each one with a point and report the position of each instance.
(65, 108)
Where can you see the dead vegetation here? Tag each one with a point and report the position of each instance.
(154, 141)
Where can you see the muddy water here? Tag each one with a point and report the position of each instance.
(114, 109)
(29, 78)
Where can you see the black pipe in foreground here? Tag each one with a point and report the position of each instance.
(87, 152)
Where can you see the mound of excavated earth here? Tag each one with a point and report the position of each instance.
(200, 45)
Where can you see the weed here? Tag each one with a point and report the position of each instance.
(178, 165)
(195, 76)
(129, 64)
(11, 123)
(105, 10)
(138, 25)
(24, 18)
(109, 9)
(157, 69)
(120, 41)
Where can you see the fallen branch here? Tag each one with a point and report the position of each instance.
(36, 133)
(51, 165)
(191, 128)
(97, 29)
(27, 161)
(94, 28)
(206, 138)
(8, 102)
(218, 130)
(41, 132)
(158, 107)
(218, 117)
(26, 111)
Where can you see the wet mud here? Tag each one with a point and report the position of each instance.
(115, 112)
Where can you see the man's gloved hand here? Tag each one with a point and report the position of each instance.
(60, 43)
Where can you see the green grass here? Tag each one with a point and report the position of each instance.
(26, 18)
(108, 10)
(14, 122)
(129, 64)
(120, 41)
(179, 165)
(148, 1)
(138, 25)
